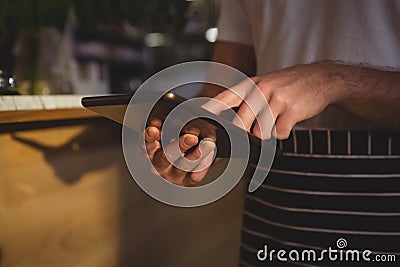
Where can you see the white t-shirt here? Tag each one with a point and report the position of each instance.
(290, 32)
(307, 202)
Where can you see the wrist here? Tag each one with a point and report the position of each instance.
(347, 82)
(334, 81)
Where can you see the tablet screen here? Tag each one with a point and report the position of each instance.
(114, 108)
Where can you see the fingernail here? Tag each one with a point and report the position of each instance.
(150, 132)
(189, 140)
(238, 122)
(206, 145)
(211, 138)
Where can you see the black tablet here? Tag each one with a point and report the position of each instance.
(115, 106)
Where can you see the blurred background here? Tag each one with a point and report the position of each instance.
(100, 46)
(66, 195)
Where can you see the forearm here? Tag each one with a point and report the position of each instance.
(369, 93)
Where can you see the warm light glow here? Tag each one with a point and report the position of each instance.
(170, 95)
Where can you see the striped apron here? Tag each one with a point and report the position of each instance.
(331, 184)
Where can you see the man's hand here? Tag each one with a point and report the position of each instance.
(298, 93)
(190, 148)
(294, 94)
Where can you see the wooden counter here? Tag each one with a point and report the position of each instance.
(67, 199)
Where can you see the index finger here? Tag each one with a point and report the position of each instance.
(232, 97)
